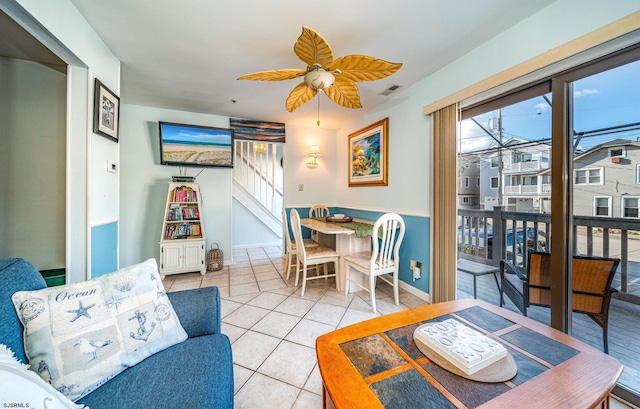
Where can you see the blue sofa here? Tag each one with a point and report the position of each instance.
(197, 373)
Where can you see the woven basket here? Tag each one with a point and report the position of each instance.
(214, 258)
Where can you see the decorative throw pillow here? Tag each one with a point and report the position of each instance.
(22, 388)
(78, 336)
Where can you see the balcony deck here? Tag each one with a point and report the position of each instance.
(624, 325)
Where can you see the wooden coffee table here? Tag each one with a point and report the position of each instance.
(376, 364)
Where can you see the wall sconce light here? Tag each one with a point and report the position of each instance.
(258, 148)
(312, 160)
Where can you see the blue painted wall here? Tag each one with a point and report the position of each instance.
(415, 245)
(104, 249)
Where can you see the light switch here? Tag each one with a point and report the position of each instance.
(111, 167)
(300, 187)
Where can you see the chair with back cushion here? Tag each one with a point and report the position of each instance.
(318, 211)
(291, 246)
(311, 256)
(592, 277)
(386, 238)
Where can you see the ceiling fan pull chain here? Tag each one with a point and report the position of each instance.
(318, 111)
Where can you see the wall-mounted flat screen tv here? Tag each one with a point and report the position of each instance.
(194, 145)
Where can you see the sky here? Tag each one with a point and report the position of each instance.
(607, 99)
(195, 134)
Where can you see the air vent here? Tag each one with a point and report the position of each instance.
(391, 89)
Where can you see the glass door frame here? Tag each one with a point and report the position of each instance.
(561, 87)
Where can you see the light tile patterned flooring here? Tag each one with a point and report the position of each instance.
(273, 329)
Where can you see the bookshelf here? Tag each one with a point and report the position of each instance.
(182, 241)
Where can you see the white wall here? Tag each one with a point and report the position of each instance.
(318, 183)
(144, 183)
(32, 163)
(249, 231)
(60, 27)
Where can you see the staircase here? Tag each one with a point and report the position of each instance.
(257, 181)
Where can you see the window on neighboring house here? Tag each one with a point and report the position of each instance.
(637, 173)
(588, 177)
(478, 164)
(522, 157)
(477, 182)
(466, 182)
(630, 207)
(494, 162)
(465, 200)
(494, 182)
(602, 206)
(617, 152)
(467, 164)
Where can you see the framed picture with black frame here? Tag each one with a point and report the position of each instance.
(106, 112)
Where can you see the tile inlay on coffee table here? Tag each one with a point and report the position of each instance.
(378, 362)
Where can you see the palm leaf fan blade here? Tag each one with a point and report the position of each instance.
(300, 95)
(359, 68)
(344, 92)
(273, 75)
(312, 48)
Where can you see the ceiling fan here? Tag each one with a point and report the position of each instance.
(336, 78)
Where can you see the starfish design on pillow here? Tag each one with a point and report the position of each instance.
(81, 311)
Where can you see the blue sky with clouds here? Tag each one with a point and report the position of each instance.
(608, 99)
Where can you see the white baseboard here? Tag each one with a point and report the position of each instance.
(418, 293)
(250, 246)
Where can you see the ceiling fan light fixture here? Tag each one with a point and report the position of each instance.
(321, 71)
(319, 79)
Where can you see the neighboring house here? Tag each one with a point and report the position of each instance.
(524, 188)
(606, 180)
(520, 183)
(469, 181)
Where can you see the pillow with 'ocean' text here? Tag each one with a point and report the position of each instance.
(78, 336)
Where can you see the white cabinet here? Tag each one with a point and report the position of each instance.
(182, 244)
(182, 257)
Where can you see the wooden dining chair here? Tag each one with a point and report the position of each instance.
(386, 237)
(290, 245)
(311, 256)
(318, 211)
(591, 290)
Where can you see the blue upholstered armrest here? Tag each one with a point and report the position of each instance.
(198, 310)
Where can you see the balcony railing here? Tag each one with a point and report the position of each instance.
(523, 166)
(489, 236)
(544, 189)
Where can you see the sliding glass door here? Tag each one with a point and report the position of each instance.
(605, 195)
(557, 165)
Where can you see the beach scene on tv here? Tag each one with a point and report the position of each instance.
(192, 145)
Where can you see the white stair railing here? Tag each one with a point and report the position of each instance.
(257, 170)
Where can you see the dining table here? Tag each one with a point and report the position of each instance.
(345, 238)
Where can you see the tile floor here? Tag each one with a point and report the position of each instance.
(273, 330)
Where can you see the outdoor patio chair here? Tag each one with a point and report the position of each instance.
(592, 277)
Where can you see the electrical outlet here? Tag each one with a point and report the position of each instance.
(300, 187)
(412, 264)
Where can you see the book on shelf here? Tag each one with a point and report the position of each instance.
(182, 231)
(183, 194)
